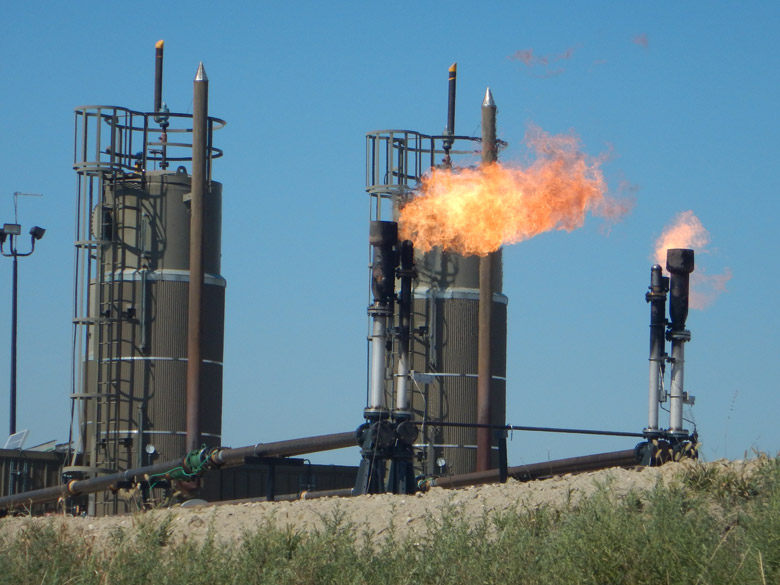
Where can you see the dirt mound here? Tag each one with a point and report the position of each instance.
(408, 516)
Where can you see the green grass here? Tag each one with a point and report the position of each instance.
(714, 526)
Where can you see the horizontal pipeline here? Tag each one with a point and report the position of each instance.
(180, 468)
(536, 429)
(627, 458)
(521, 473)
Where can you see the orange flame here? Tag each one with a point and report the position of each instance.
(476, 211)
(687, 231)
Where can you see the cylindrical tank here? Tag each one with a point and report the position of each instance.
(445, 311)
(446, 301)
(138, 354)
(131, 294)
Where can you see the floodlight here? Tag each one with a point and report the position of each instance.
(37, 232)
(12, 229)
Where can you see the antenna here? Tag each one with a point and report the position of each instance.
(17, 194)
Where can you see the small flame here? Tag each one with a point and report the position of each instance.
(476, 211)
(687, 231)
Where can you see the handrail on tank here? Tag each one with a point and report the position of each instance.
(394, 158)
(123, 144)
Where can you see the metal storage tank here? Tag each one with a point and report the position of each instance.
(443, 346)
(446, 300)
(132, 287)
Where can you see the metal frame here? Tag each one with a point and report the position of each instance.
(113, 147)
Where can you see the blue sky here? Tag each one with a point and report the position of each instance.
(683, 99)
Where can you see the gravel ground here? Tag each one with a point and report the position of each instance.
(409, 515)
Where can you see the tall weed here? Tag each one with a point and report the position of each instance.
(711, 527)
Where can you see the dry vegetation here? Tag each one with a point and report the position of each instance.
(683, 523)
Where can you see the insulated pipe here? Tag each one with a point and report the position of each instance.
(680, 264)
(158, 75)
(677, 385)
(657, 299)
(195, 306)
(383, 236)
(626, 458)
(406, 273)
(484, 369)
(219, 458)
(376, 397)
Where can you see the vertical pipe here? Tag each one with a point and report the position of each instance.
(452, 82)
(141, 443)
(195, 305)
(449, 130)
(402, 403)
(676, 393)
(484, 370)
(145, 230)
(657, 299)
(14, 284)
(680, 264)
(158, 74)
(383, 236)
(376, 397)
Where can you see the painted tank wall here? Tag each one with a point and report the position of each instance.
(138, 356)
(446, 300)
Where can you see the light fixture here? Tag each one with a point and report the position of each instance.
(12, 229)
(36, 233)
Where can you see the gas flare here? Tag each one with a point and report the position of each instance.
(476, 211)
(687, 231)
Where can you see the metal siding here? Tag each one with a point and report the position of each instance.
(454, 325)
(148, 369)
(161, 383)
(166, 247)
(32, 471)
(250, 481)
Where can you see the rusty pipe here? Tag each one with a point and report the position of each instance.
(219, 458)
(287, 448)
(595, 462)
(195, 303)
(484, 362)
(78, 487)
